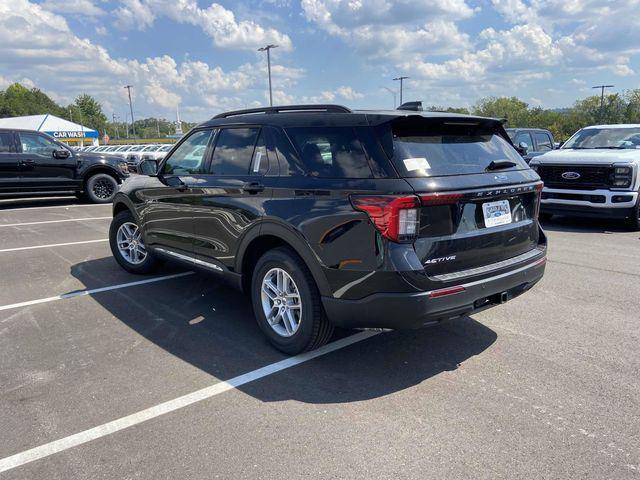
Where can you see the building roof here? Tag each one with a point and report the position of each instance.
(44, 123)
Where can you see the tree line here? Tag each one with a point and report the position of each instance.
(18, 100)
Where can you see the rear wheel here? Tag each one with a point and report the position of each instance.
(127, 246)
(286, 303)
(101, 188)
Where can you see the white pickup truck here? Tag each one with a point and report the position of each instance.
(596, 173)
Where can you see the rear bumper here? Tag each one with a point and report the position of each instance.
(415, 310)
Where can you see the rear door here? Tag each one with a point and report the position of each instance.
(230, 199)
(39, 169)
(9, 169)
(473, 214)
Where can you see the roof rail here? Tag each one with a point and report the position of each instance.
(288, 108)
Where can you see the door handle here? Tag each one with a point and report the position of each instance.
(28, 162)
(253, 187)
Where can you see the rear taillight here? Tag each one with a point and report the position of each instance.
(395, 217)
(430, 199)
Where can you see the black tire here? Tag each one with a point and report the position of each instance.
(545, 217)
(148, 265)
(634, 222)
(314, 329)
(101, 188)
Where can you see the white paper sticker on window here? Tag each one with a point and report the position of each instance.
(419, 163)
(256, 164)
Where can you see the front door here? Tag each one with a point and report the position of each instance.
(169, 208)
(9, 169)
(231, 198)
(40, 170)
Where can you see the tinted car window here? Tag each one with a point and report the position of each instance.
(421, 150)
(543, 141)
(331, 152)
(37, 144)
(260, 162)
(6, 143)
(523, 137)
(189, 157)
(233, 153)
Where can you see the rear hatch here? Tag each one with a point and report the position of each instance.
(479, 199)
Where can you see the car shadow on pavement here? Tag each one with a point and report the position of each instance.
(212, 327)
(578, 224)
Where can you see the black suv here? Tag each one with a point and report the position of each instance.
(331, 217)
(32, 163)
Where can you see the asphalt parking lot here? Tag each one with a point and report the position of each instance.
(99, 369)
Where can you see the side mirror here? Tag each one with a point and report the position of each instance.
(148, 167)
(61, 153)
(524, 146)
(560, 144)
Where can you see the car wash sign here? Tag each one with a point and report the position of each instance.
(66, 135)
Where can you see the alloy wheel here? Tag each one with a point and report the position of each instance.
(281, 302)
(130, 245)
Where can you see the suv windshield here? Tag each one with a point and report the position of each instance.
(428, 150)
(614, 138)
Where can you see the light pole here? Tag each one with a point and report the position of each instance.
(392, 92)
(401, 80)
(268, 49)
(133, 128)
(115, 124)
(126, 123)
(602, 87)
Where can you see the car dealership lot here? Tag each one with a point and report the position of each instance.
(545, 386)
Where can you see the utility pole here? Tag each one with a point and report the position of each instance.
(158, 126)
(602, 87)
(133, 128)
(126, 123)
(392, 92)
(115, 124)
(401, 80)
(268, 49)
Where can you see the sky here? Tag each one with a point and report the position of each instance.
(202, 57)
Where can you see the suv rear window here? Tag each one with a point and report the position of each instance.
(425, 149)
(331, 152)
(6, 143)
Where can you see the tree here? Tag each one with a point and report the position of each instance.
(614, 110)
(17, 100)
(87, 111)
(515, 111)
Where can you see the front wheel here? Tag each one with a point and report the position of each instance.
(125, 239)
(101, 188)
(286, 303)
(634, 222)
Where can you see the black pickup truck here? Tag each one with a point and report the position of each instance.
(531, 142)
(34, 164)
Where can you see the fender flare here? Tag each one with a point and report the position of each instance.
(104, 167)
(295, 240)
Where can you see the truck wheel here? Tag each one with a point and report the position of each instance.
(286, 303)
(125, 240)
(101, 188)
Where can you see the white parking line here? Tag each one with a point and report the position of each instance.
(51, 245)
(54, 206)
(55, 221)
(81, 293)
(108, 428)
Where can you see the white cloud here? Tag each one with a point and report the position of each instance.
(393, 29)
(216, 21)
(86, 8)
(328, 96)
(35, 42)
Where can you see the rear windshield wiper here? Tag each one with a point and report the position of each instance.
(497, 165)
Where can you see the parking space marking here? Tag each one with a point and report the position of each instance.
(56, 221)
(108, 428)
(54, 206)
(81, 293)
(51, 245)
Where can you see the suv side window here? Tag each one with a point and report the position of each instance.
(331, 152)
(37, 144)
(544, 142)
(6, 143)
(260, 160)
(189, 157)
(234, 151)
(523, 137)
